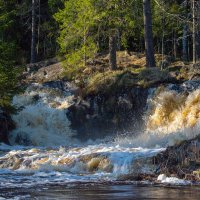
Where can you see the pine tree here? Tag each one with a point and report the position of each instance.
(8, 49)
(77, 39)
(8, 74)
(118, 21)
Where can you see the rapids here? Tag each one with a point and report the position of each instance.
(42, 120)
(172, 115)
(45, 150)
(91, 163)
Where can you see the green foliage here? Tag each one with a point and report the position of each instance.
(77, 42)
(84, 23)
(74, 61)
(121, 16)
(7, 14)
(167, 24)
(79, 22)
(8, 74)
(7, 53)
(10, 27)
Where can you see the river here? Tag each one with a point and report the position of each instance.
(47, 160)
(91, 191)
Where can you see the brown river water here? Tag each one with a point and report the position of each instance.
(102, 191)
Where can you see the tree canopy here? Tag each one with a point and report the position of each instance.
(78, 30)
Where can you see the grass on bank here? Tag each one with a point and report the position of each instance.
(113, 81)
(97, 78)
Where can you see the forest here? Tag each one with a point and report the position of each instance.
(77, 31)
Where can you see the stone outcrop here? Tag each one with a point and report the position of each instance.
(99, 115)
(181, 160)
(6, 125)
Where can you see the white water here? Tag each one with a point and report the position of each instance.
(42, 120)
(43, 125)
(172, 180)
(85, 164)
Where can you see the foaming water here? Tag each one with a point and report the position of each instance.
(92, 163)
(172, 116)
(113, 159)
(174, 111)
(157, 138)
(54, 156)
(42, 120)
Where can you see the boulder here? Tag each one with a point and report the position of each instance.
(6, 125)
(98, 116)
(182, 160)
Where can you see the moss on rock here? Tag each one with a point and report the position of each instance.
(113, 81)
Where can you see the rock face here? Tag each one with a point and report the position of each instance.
(36, 66)
(101, 115)
(102, 112)
(6, 125)
(182, 160)
(43, 72)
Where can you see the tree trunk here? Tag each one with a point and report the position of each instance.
(174, 45)
(84, 43)
(163, 38)
(113, 52)
(38, 37)
(33, 37)
(198, 31)
(118, 40)
(148, 34)
(194, 31)
(185, 43)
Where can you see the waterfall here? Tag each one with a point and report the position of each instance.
(42, 119)
(172, 115)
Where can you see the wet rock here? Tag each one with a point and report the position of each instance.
(12, 162)
(191, 85)
(55, 84)
(62, 85)
(6, 125)
(183, 160)
(137, 177)
(39, 73)
(191, 72)
(35, 66)
(102, 115)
